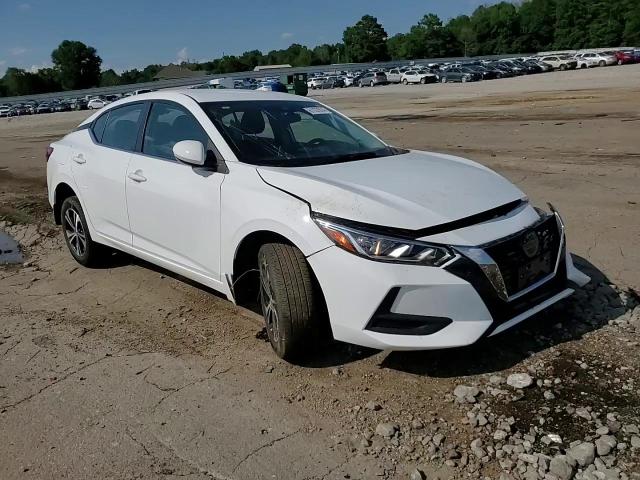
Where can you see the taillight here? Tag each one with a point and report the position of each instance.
(49, 152)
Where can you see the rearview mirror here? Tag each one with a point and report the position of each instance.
(190, 151)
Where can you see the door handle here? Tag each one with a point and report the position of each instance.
(137, 176)
(79, 159)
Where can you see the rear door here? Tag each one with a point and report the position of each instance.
(174, 208)
(100, 168)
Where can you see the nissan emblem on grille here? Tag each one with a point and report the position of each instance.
(531, 244)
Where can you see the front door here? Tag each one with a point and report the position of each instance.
(174, 208)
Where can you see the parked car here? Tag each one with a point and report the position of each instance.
(44, 108)
(591, 59)
(417, 76)
(625, 57)
(373, 79)
(340, 236)
(487, 73)
(79, 104)
(5, 110)
(459, 74)
(394, 75)
(18, 110)
(560, 62)
(97, 103)
(272, 86)
(335, 82)
(62, 107)
(348, 80)
(319, 83)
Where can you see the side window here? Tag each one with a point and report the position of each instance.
(122, 127)
(99, 125)
(169, 124)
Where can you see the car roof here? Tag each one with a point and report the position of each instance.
(202, 96)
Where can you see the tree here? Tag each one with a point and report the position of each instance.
(572, 24)
(366, 41)
(109, 78)
(78, 65)
(537, 25)
(464, 34)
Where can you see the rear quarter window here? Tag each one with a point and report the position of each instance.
(99, 125)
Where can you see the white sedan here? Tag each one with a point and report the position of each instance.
(590, 59)
(278, 197)
(417, 76)
(97, 103)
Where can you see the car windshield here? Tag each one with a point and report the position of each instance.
(292, 133)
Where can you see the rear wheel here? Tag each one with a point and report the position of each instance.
(443, 79)
(602, 63)
(423, 80)
(405, 81)
(563, 67)
(76, 234)
(289, 300)
(372, 84)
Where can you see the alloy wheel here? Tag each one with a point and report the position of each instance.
(268, 301)
(74, 231)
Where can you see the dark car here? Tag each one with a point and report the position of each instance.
(459, 74)
(44, 108)
(62, 107)
(18, 110)
(487, 74)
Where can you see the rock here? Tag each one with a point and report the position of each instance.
(464, 393)
(605, 444)
(496, 380)
(561, 467)
(417, 424)
(635, 441)
(548, 395)
(631, 429)
(269, 369)
(582, 412)
(584, 453)
(500, 435)
(416, 475)
(437, 439)
(386, 430)
(373, 406)
(602, 431)
(482, 420)
(519, 380)
(550, 438)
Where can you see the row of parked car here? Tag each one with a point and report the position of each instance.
(62, 104)
(473, 70)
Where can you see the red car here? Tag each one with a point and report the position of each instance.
(625, 57)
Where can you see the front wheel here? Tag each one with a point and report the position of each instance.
(443, 79)
(602, 63)
(620, 62)
(372, 84)
(563, 67)
(76, 234)
(290, 303)
(423, 81)
(405, 82)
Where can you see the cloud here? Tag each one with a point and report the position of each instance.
(24, 7)
(37, 68)
(17, 51)
(183, 55)
(286, 35)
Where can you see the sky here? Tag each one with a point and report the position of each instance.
(135, 33)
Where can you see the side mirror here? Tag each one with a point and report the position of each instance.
(190, 151)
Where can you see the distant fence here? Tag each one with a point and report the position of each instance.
(188, 82)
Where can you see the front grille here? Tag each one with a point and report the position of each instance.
(529, 256)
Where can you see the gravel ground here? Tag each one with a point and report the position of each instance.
(130, 372)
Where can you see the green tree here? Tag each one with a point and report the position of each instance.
(366, 41)
(465, 35)
(77, 64)
(572, 24)
(109, 78)
(537, 25)
(631, 32)
(497, 28)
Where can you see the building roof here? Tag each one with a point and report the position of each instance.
(172, 71)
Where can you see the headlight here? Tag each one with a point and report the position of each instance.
(383, 248)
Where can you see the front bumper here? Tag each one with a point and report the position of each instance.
(409, 307)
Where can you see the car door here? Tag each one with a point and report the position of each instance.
(100, 167)
(174, 208)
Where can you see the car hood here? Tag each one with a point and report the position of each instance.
(411, 191)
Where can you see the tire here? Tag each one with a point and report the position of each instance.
(423, 81)
(443, 79)
(290, 303)
(405, 82)
(602, 63)
(76, 234)
(620, 62)
(563, 67)
(372, 84)
(464, 80)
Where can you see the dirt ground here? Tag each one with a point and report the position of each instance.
(130, 372)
